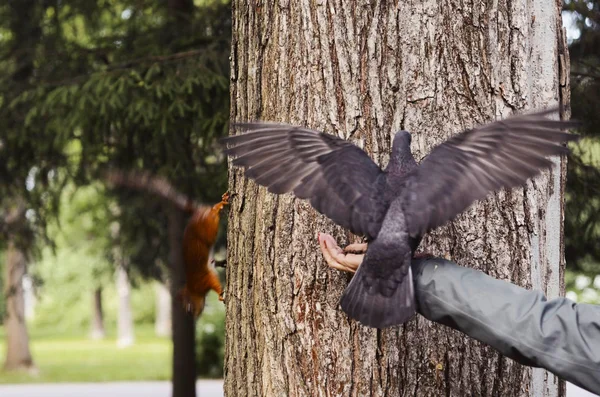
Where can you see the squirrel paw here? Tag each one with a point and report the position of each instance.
(225, 198)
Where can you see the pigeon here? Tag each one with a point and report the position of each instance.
(394, 207)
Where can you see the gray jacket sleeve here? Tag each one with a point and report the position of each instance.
(559, 335)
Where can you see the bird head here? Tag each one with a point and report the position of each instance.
(401, 141)
(401, 156)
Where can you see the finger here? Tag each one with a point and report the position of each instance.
(323, 239)
(358, 247)
(350, 261)
(335, 257)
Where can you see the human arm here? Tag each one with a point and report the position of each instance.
(559, 335)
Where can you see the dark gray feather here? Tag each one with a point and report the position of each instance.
(471, 165)
(335, 175)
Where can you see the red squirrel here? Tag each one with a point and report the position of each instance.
(198, 238)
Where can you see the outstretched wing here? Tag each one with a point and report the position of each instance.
(335, 175)
(469, 166)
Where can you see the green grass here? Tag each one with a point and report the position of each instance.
(71, 358)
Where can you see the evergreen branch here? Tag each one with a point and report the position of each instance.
(156, 59)
(127, 66)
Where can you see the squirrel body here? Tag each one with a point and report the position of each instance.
(198, 239)
(199, 236)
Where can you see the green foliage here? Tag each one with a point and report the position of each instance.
(64, 298)
(76, 265)
(31, 150)
(582, 218)
(583, 288)
(2, 297)
(67, 276)
(88, 85)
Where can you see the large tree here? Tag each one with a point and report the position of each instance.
(363, 70)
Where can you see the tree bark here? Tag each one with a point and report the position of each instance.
(125, 334)
(184, 336)
(98, 331)
(162, 323)
(18, 355)
(363, 70)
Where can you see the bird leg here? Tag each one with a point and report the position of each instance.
(336, 257)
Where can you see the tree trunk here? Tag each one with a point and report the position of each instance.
(363, 70)
(184, 330)
(25, 30)
(184, 336)
(18, 355)
(125, 334)
(97, 331)
(162, 323)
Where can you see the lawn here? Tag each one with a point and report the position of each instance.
(78, 359)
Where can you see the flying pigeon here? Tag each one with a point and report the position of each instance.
(395, 206)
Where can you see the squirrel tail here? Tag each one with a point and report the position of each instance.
(144, 181)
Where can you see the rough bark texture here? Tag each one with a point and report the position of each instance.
(162, 322)
(363, 70)
(18, 355)
(125, 335)
(97, 331)
(184, 337)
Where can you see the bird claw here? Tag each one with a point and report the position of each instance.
(336, 257)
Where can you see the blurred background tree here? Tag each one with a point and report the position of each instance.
(90, 85)
(582, 210)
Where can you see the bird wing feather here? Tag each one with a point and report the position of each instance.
(469, 166)
(336, 176)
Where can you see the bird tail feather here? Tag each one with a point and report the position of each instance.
(380, 303)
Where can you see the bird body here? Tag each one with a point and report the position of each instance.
(394, 207)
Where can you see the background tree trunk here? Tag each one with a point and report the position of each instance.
(363, 70)
(125, 334)
(97, 331)
(18, 355)
(26, 30)
(184, 336)
(162, 323)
